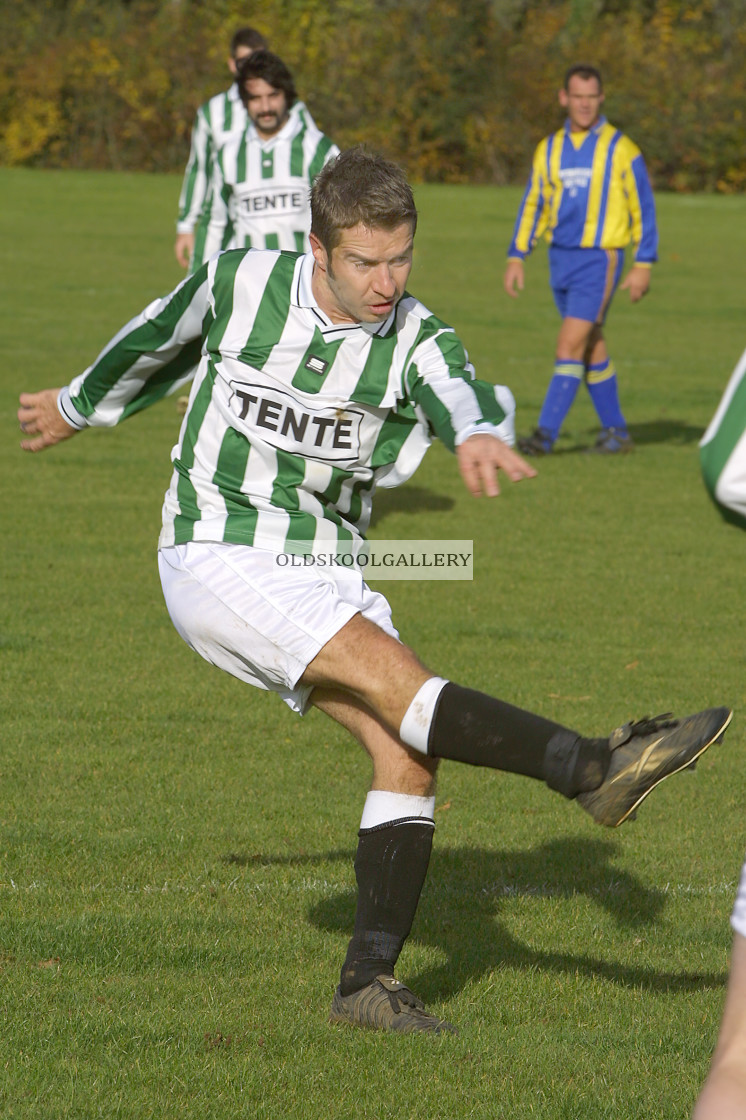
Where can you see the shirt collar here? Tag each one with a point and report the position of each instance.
(302, 291)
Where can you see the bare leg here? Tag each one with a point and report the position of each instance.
(361, 661)
(446, 720)
(723, 1095)
(595, 350)
(364, 662)
(576, 338)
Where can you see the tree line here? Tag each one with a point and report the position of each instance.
(454, 90)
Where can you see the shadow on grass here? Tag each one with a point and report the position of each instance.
(467, 890)
(649, 432)
(665, 431)
(471, 888)
(408, 499)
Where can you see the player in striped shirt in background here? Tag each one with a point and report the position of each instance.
(722, 450)
(317, 378)
(262, 176)
(219, 120)
(589, 195)
(222, 116)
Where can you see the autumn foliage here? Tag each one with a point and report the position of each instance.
(456, 90)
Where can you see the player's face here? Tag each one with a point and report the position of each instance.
(365, 275)
(266, 106)
(582, 99)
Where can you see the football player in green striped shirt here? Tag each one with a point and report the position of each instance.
(224, 115)
(221, 119)
(261, 177)
(319, 377)
(722, 451)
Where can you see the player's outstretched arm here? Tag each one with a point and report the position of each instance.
(480, 457)
(39, 416)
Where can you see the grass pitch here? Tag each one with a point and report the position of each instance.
(176, 886)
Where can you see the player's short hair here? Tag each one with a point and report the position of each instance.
(359, 187)
(582, 70)
(247, 37)
(264, 64)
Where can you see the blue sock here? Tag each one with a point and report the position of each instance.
(559, 396)
(602, 386)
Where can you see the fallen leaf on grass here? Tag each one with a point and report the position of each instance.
(560, 696)
(218, 1039)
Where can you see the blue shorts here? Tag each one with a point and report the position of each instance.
(584, 281)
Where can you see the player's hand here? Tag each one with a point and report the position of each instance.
(513, 278)
(636, 282)
(481, 457)
(183, 248)
(40, 417)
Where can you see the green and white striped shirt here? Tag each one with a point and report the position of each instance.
(722, 450)
(219, 120)
(260, 188)
(292, 420)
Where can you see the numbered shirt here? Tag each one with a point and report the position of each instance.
(260, 189)
(292, 420)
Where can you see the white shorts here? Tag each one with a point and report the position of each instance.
(260, 622)
(738, 917)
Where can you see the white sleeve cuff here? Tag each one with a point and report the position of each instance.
(477, 430)
(69, 412)
(505, 430)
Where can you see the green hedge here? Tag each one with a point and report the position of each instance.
(456, 91)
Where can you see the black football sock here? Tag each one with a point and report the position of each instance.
(471, 727)
(390, 867)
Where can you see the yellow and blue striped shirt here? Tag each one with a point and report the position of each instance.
(588, 190)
